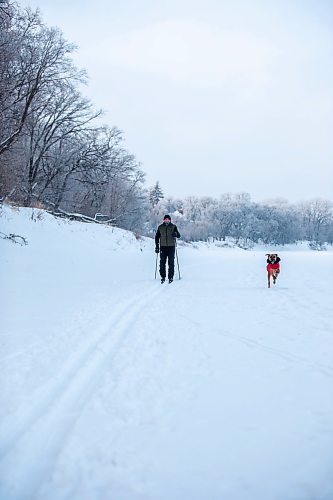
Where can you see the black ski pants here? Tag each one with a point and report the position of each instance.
(167, 253)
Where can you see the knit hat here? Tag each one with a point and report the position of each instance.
(167, 217)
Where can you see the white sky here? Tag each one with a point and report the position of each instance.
(213, 96)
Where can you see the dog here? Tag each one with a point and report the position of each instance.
(273, 267)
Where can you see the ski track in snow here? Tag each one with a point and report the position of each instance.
(142, 390)
(50, 415)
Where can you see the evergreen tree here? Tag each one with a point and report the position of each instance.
(155, 194)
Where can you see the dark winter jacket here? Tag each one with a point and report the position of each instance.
(166, 234)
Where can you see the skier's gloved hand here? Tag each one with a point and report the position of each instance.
(157, 250)
(175, 235)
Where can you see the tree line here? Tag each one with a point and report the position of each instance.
(236, 218)
(54, 154)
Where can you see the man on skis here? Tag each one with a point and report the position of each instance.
(165, 244)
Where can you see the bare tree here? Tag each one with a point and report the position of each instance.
(33, 59)
(63, 115)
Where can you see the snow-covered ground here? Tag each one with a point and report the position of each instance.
(115, 387)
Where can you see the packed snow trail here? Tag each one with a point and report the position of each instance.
(212, 387)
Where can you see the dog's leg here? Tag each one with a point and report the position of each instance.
(269, 279)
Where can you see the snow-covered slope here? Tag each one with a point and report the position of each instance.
(114, 387)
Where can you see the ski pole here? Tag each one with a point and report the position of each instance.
(156, 265)
(177, 260)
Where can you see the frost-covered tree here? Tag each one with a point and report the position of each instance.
(155, 194)
(317, 215)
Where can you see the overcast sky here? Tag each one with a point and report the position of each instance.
(215, 96)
